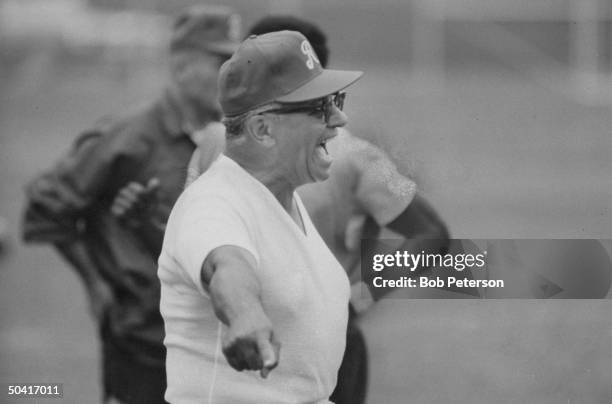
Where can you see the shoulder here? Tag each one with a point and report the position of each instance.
(205, 201)
(124, 133)
(360, 156)
(133, 123)
(381, 188)
(211, 202)
(351, 148)
(366, 152)
(220, 181)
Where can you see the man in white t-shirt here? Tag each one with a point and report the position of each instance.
(364, 187)
(247, 282)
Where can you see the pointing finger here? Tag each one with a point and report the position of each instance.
(269, 354)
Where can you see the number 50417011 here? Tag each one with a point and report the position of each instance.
(43, 390)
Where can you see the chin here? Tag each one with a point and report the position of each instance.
(319, 176)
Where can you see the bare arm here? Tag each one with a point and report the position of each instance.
(228, 274)
(390, 200)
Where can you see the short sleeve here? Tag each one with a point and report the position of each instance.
(206, 223)
(381, 190)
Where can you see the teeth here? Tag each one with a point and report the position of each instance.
(323, 144)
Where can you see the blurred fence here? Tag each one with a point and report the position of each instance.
(564, 44)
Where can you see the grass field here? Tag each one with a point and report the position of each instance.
(499, 155)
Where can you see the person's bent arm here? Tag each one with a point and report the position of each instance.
(228, 274)
(60, 201)
(391, 200)
(425, 232)
(40, 224)
(64, 232)
(422, 227)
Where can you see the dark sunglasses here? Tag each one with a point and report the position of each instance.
(320, 106)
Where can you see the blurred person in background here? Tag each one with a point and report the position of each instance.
(365, 193)
(69, 205)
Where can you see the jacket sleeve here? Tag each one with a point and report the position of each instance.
(59, 200)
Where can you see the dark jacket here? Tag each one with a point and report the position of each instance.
(72, 201)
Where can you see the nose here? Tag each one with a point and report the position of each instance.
(337, 118)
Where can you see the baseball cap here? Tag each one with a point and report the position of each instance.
(213, 29)
(312, 32)
(279, 66)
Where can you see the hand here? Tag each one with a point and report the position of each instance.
(101, 297)
(133, 200)
(250, 344)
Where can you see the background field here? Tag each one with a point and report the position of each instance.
(498, 140)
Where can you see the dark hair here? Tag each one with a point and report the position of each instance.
(313, 33)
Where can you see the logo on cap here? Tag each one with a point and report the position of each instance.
(310, 54)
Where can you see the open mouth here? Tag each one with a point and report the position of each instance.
(321, 158)
(323, 144)
(325, 139)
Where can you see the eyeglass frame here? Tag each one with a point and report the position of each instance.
(318, 105)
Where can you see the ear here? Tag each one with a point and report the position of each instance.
(258, 127)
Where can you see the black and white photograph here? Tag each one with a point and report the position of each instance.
(306, 201)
